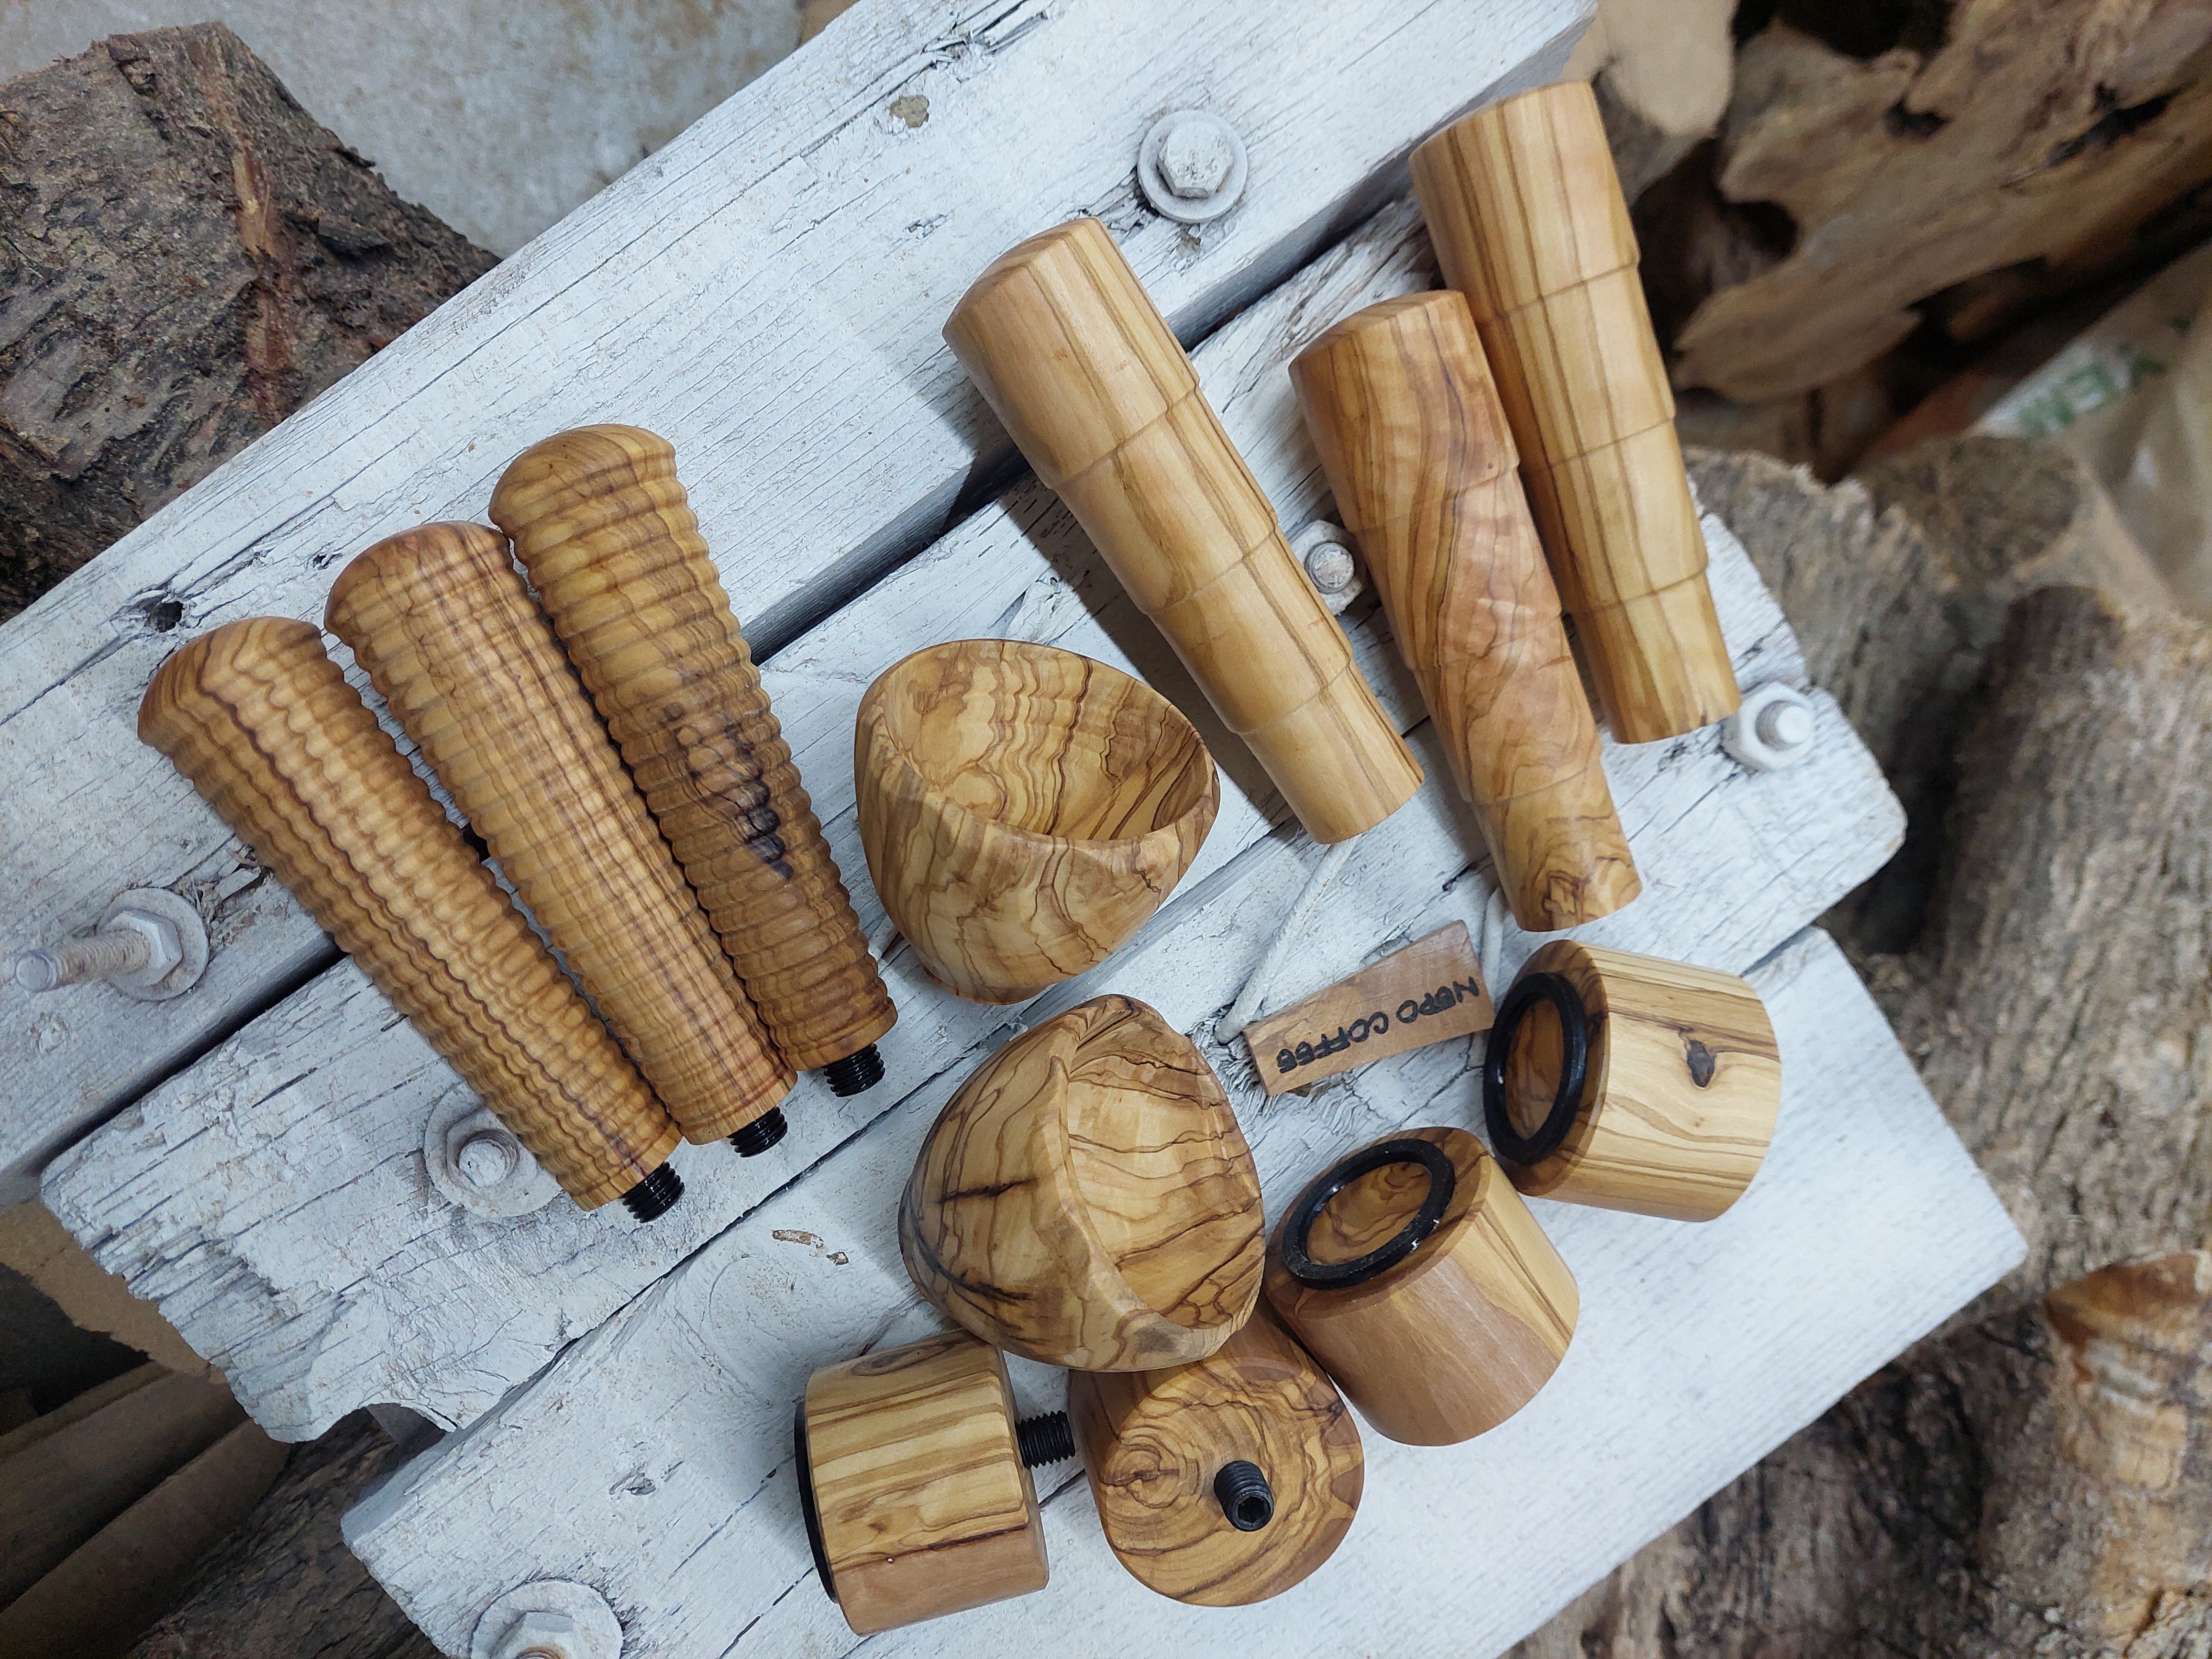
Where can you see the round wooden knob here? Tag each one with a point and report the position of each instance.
(1227, 1481)
(1414, 1272)
(1087, 1199)
(1023, 809)
(1631, 1083)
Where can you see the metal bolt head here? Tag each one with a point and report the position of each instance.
(1775, 728)
(1331, 566)
(541, 1636)
(165, 950)
(1194, 158)
(487, 1158)
(1191, 166)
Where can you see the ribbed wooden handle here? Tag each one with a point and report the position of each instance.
(267, 729)
(601, 520)
(1527, 215)
(1399, 402)
(442, 623)
(1066, 347)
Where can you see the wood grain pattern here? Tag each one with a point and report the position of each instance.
(267, 729)
(1152, 1443)
(450, 637)
(602, 522)
(921, 1501)
(1683, 1083)
(1068, 349)
(1529, 224)
(1458, 1336)
(1402, 409)
(1087, 1199)
(1023, 809)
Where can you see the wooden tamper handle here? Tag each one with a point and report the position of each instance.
(266, 728)
(1087, 1199)
(1631, 1083)
(1400, 404)
(602, 522)
(1227, 1481)
(447, 632)
(1529, 223)
(1414, 1273)
(1066, 345)
(913, 1478)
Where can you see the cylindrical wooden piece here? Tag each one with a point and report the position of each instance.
(1161, 1449)
(1414, 1273)
(449, 635)
(1631, 1083)
(916, 1499)
(1401, 407)
(1528, 221)
(266, 728)
(601, 520)
(1023, 809)
(1087, 1199)
(1066, 347)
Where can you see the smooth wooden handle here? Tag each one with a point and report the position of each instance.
(266, 728)
(1529, 223)
(1399, 402)
(601, 522)
(447, 632)
(1068, 349)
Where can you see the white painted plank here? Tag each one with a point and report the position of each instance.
(766, 290)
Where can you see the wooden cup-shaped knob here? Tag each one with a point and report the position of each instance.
(1631, 1083)
(266, 728)
(1066, 347)
(1400, 404)
(1414, 1273)
(1529, 223)
(1087, 1199)
(911, 1479)
(1023, 809)
(1226, 1480)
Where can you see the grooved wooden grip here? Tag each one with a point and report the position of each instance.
(267, 729)
(1400, 405)
(442, 623)
(1528, 222)
(601, 522)
(1066, 347)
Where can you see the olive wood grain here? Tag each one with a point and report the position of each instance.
(450, 636)
(1067, 349)
(1401, 407)
(1023, 809)
(1527, 215)
(1087, 1199)
(601, 522)
(266, 728)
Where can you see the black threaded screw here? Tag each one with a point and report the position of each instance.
(656, 1194)
(762, 1132)
(1046, 1439)
(1244, 1495)
(855, 1073)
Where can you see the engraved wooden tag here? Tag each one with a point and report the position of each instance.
(1426, 993)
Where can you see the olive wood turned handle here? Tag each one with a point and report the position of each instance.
(266, 728)
(602, 524)
(1529, 223)
(1067, 348)
(442, 623)
(1401, 408)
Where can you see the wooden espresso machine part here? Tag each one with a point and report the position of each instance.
(266, 728)
(1631, 1083)
(449, 635)
(1067, 349)
(1400, 404)
(1527, 215)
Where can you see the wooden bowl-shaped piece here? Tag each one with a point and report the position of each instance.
(1023, 809)
(1087, 1199)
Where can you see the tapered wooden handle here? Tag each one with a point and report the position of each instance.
(266, 728)
(1399, 402)
(602, 524)
(442, 623)
(1067, 348)
(1529, 223)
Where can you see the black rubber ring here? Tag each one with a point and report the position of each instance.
(1342, 1275)
(1508, 1143)
(807, 1501)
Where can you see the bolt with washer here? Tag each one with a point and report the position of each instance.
(540, 1636)
(475, 1161)
(151, 945)
(1324, 550)
(1192, 166)
(1773, 729)
(548, 1619)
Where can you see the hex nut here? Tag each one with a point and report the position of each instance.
(1191, 166)
(1774, 728)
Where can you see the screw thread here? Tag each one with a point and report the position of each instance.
(855, 1073)
(1244, 1496)
(762, 1132)
(1046, 1439)
(656, 1194)
(119, 951)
